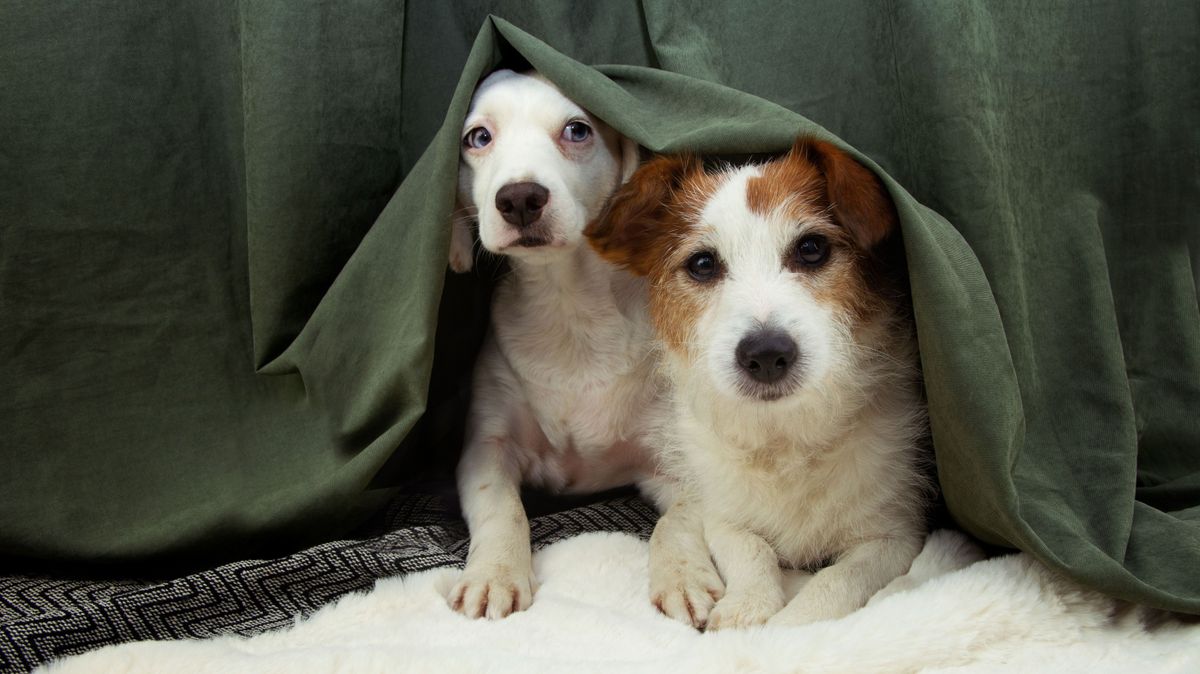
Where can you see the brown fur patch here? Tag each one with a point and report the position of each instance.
(790, 182)
(856, 197)
(676, 299)
(865, 270)
(637, 224)
(642, 229)
(795, 185)
(845, 278)
(675, 305)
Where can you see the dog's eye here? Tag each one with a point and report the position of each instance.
(702, 266)
(577, 132)
(477, 138)
(811, 251)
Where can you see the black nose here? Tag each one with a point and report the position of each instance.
(766, 355)
(521, 204)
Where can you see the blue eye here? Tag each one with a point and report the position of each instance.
(577, 132)
(477, 138)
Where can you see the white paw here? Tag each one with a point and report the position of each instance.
(686, 591)
(743, 610)
(494, 591)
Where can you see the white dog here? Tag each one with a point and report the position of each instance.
(779, 296)
(565, 386)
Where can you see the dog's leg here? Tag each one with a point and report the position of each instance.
(684, 584)
(844, 586)
(498, 579)
(944, 552)
(753, 582)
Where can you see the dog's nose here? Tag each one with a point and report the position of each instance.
(766, 355)
(521, 204)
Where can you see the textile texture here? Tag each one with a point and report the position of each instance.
(46, 618)
(223, 232)
(949, 615)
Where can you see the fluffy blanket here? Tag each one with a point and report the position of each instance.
(951, 613)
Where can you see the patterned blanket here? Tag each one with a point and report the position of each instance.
(43, 618)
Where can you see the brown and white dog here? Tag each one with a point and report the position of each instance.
(778, 295)
(565, 389)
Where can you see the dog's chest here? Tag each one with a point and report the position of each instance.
(593, 427)
(586, 375)
(807, 508)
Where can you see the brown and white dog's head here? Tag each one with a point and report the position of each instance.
(535, 169)
(764, 279)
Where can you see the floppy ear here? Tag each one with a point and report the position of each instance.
(631, 157)
(857, 197)
(630, 232)
(462, 240)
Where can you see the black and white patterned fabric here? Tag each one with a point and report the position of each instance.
(42, 619)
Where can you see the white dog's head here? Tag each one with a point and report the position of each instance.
(764, 280)
(535, 169)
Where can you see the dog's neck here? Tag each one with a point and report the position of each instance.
(564, 276)
(575, 295)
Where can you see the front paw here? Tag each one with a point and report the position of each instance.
(744, 610)
(494, 591)
(686, 591)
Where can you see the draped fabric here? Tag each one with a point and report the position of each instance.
(223, 229)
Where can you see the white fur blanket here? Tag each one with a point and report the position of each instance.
(591, 614)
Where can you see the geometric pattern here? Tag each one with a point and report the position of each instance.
(46, 618)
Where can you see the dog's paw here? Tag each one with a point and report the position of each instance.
(742, 610)
(686, 592)
(494, 592)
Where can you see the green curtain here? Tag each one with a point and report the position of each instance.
(222, 249)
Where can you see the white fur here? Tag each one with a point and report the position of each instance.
(565, 384)
(1003, 615)
(830, 470)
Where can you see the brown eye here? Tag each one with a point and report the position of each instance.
(702, 266)
(477, 138)
(811, 251)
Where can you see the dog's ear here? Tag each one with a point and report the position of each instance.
(631, 157)
(631, 232)
(857, 197)
(462, 240)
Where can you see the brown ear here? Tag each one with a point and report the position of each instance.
(858, 199)
(630, 232)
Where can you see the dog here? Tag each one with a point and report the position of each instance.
(566, 381)
(779, 296)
